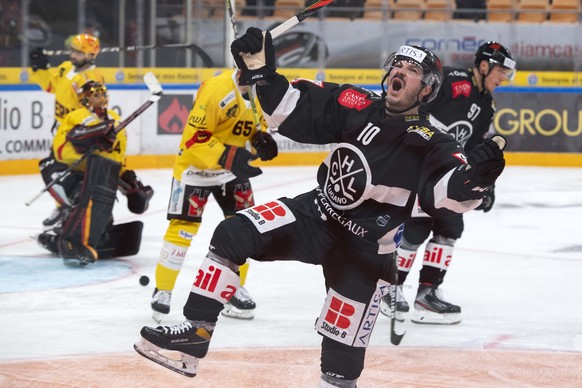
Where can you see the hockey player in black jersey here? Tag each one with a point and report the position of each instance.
(386, 153)
(464, 108)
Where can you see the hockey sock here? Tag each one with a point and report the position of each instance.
(437, 258)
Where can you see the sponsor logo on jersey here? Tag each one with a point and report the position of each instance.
(348, 176)
(458, 73)
(215, 281)
(197, 121)
(423, 131)
(348, 224)
(412, 118)
(371, 314)
(340, 318)
(228, 99)
(438, 256)
(269, 216)
(461, 88)
(185, 235)
(353, 99)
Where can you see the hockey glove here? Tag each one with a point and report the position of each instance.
(254, 55)
(265, 145)
(488, 200)
(236, 160)
(38, 60)
(138, 195)
(486, 163)
(96, 137)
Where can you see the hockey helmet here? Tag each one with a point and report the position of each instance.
(84, 43)
(430, 64)
(496, 54)
(94, 96)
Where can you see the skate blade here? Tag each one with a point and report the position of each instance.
(427, 317)
(157, 316)
(174, 360)
(387, 311)
(233, 312)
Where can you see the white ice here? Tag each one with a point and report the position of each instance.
(516, 274)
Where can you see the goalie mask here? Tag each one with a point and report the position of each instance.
(94, 96)
(496, 55)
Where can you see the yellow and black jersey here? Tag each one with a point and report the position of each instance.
(65, 152)
(63, 82)
(220, 116)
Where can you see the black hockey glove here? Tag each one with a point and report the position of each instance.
(265, 145)
(473, 180)
(236, 160)
(488, 200)
(254, 55)
(96, 137)
(486, 163)
(38, 60)
(138, 195)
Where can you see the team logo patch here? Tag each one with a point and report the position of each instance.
(232, 112)
(340, 318)
(348, 177)
(269, 216)
(460, 130)
(198, 137)
(461, 88)
(353, 99)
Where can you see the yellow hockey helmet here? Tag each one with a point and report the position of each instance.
(84, 43)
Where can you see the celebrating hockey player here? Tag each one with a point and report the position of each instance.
(64, 81)
(464, 108)
(386, 153)
(212, 161)
(87, 141)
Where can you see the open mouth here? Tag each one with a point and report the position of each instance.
(397, 83)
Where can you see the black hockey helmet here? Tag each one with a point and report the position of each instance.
(424, 58)
(496, 55)
(94, 96)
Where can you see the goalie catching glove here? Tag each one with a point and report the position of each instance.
(236, 160)
(486, 163)
(138, 195)
(265, 145)
(254, 55)
(96, 137)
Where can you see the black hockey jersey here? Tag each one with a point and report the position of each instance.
(369, 181)
(460, 109)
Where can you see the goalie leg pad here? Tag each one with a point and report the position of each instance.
(91, 215)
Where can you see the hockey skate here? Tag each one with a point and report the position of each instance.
(402, 306)
(75, 254)
(240, 306)
(55, 219)
(177, 347)
(48, 241)
(160, 304)
(431, 308)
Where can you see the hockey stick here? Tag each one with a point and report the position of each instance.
(118, 49)
(295, 20)
(257, 123)
(154, 87)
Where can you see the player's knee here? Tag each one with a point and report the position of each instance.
(405, 244)
(442, 240)
(235, 239)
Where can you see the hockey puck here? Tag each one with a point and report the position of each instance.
(144, 280)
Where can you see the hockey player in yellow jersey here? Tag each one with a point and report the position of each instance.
(212, 160)
(87, 140)
(63, 81)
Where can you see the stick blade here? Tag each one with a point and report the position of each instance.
(153, 84)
